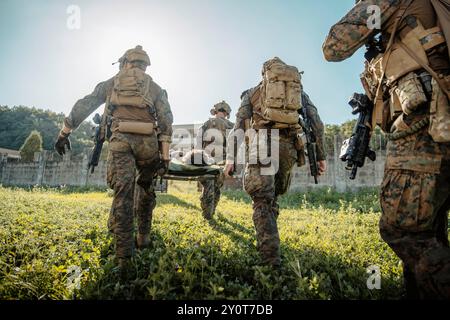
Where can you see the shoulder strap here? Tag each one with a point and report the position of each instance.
(379, 103)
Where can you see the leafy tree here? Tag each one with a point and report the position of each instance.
(331, 130)
(17, 122)
(345, 130)
(31, 145)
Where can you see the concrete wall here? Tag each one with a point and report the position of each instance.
(47, 171)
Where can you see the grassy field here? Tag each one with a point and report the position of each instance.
(53, 240)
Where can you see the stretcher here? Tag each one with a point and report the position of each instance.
(186, 172)
(180, 171)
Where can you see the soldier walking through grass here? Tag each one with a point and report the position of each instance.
(212, 137)
(138, 124)
(274, 105)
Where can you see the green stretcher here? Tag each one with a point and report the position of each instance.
(186, 172)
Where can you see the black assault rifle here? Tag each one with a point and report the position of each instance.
(99, 139)
(355, 150)
(305, 123)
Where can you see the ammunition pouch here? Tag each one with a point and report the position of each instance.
(143, 128)
(439, 114)
(410, 93)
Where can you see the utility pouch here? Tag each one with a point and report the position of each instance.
(439, 128)
(410, 93)
(282, 116)
(144, 128)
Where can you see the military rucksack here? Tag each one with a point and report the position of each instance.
(280, 93)
(131, 87)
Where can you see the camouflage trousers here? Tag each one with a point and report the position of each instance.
(415, 199)
(210, 195)
(264, 190)
(132, 161)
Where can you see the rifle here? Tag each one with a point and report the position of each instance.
(355, 149)
(99, 139)
(305, 123)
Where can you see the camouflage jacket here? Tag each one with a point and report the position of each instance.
(353, 31)
(220, 124)
(84, 107)
(245, 112)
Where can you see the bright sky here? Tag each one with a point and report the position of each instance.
(202, 51)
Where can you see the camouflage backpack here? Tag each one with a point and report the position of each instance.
(280, 93)
(130, 88)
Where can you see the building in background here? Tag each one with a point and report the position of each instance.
(9, 155)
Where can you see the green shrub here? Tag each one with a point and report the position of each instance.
(31, 145)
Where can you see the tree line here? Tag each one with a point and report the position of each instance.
(17, 123)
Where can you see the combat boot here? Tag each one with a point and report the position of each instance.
(208, 211)
(143, 241)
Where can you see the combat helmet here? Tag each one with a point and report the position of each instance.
(221, 106)
(136, 54)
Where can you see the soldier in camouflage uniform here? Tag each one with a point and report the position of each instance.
(136, 151)
(213, 133)
(265, 189)
(415, 192)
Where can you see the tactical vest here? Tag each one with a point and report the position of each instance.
(404, 72)
(277, 99)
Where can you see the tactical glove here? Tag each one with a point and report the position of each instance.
(163, 167)
(62, 142)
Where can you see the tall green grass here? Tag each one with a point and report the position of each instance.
(327, 239)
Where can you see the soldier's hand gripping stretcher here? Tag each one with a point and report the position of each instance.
(164, 148)
(187, 168)
(229, 170)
